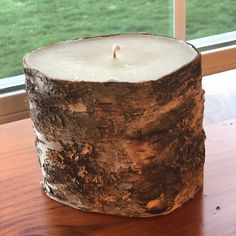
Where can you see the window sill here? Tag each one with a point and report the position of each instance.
(13, 106)
(218, 60)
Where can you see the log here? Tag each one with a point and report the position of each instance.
(132, 149)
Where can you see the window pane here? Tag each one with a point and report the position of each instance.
(29, 24)
(210, 17)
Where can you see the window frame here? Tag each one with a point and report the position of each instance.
(215, 58)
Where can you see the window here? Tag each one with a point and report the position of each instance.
(28, 24)
(211, 27)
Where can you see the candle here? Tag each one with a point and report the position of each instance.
(118, 122)
(143, 57)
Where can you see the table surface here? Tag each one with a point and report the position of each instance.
(25, 210)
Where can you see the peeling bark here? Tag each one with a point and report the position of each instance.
(130, 149)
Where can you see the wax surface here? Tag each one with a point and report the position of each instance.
(141, 58)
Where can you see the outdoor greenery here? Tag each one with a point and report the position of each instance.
(209, 17)
(29, 24)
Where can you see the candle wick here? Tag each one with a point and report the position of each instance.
(115, 49)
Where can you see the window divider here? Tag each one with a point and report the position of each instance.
(179, 13)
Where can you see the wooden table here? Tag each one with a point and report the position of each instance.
(25, 210)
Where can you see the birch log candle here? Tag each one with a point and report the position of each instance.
(118, 122)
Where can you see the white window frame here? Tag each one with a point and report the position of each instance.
(13, 102)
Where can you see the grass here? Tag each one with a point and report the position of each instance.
(209, 17)
(29, 24)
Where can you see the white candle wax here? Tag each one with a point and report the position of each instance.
(141, 58)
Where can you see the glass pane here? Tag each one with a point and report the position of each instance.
(210, 17)
(29, 24)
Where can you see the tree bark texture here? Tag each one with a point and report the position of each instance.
(129, 149)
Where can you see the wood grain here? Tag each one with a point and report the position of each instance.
(25, 210)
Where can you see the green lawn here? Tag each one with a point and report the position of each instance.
(209, 17)
(28, 24)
